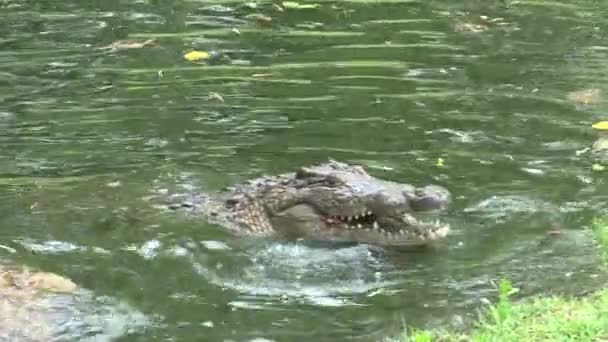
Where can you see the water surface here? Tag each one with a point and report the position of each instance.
(91, 137)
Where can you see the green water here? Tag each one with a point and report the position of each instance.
(91, 137)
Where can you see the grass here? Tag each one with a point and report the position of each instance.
(537, 319)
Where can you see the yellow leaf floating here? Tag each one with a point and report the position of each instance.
(601, 125)
(598, 167)
(439, 162)
(196, 55)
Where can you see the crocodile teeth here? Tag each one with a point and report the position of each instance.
(356, 217)
(349, 218)
(359, 226)
(375, 225)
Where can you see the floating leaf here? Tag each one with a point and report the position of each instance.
(215, 96)
(439, 162)
(297, 5)
(470, 28)
(586, 96)
(598, 167)
(130, 44)
(600, 125)
(260, 19)
(196, 55)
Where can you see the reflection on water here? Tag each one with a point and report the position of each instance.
(497, 90)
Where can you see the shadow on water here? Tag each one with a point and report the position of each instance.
(89, 134)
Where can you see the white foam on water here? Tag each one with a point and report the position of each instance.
(286, 272)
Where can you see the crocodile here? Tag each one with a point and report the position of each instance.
(331, 201)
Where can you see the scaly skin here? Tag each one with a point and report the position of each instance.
(331, 201)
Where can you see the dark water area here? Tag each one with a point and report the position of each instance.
(91, 135)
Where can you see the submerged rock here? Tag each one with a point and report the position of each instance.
(27, 281)
(24, 303)
(42, 306)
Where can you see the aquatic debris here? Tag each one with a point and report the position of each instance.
(213, 245)
(601, 125)
(260, 19)
(297, 5)
(470, 28)
(130, 44)
(215, 96)
(585, 96)
(114, 184)
(482, 23)
(196, 55)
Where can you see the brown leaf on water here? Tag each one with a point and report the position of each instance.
(215, 96)
(470, 28)
(260, 19)
(130, 44)
(586, 96)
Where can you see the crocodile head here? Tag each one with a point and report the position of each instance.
(339, 202)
